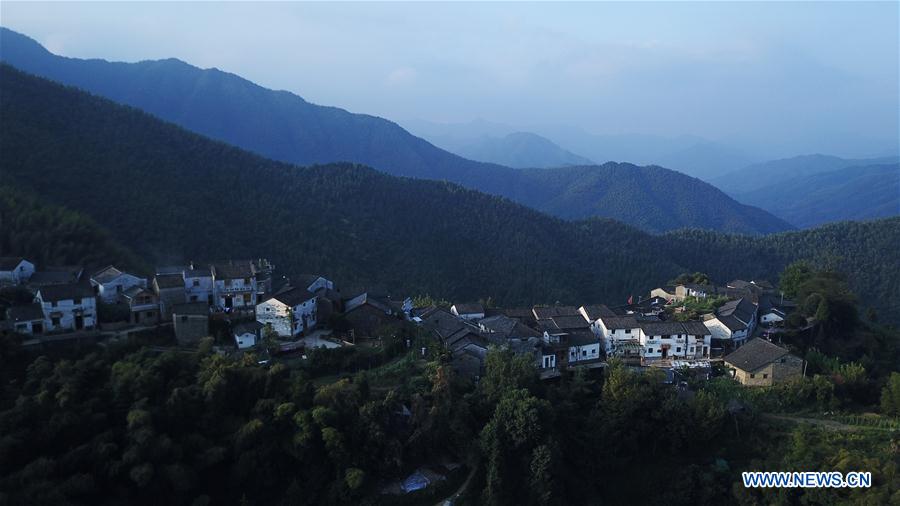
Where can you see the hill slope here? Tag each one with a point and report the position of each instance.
(283, 126)
(172, 195)
(852, 193)
(520, 150)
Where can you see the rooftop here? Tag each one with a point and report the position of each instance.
(755, 354)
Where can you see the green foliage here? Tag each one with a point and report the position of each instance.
(793, 276)
(890, 396)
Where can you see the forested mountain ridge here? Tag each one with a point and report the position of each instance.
(283, 126)
(172, 195)
(852, 193)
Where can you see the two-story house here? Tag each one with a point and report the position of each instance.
(170, 290)
(661, 340)
(619, 335)
(69, 307)
(109, 282)
(289, 312)
(732, 324)
(234, 286)
(143, 305)
(198, 284)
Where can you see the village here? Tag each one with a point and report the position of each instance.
(686, 328)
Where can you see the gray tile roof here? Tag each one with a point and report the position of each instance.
(235, 270)
(473, 308)
(164, 281)
(619, 322)
(571, 322)
(294, 296)
(755, 354)
(68, 291)
(106, 274)
(595, 311)
(541, 313)
(9, 263)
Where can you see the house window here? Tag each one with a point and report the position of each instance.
(583, 353)
(246, 299)
(196, 282)
(752, 376)
(246, 281)
(54, 303)
(678, 350)
(184, 319)
(54, 321)
(149, 314)
(193, 298)
(593, 352)
(628, 331)
(765, 375)
(649, 350)
(77, 301)
(692, 349)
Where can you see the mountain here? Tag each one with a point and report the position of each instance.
(852, 193)
(284, 127)
(652, 198)
(759, 175)
(706, 160)
(520, 150)
(170, 195)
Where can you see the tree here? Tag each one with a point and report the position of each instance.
(890, 396)
(793, 276)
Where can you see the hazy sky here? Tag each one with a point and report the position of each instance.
(805, 76)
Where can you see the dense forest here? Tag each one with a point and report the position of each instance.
(127, 423)
(282, 126)
(172, 196)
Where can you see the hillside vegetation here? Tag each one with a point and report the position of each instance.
(171, 195)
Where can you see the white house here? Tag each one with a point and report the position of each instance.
(289, 312)
(773, 315)
(15, 270)
(618, 333)
(198, 285)
(234, 286)
(109, 282)
(593, 313)
(247, 335)
(468, 311)
(733, 323)
(674, 340)
(67, 307)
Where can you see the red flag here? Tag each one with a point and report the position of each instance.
(630, 299)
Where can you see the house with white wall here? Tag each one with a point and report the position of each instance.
(68, 307)
(732, 323)
(619, 335)
(661, 340)
(234, 286)
(247, 335)
(15, 270)
(26, 319)
(109, 282)
(288, 313)
(198, 284)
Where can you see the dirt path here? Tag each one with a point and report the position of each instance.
(462, 488)
(828, 424)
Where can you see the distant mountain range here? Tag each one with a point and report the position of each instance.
(851, 193)
(520, 150)
(765, 174)
(284, 127)
(691, 155)
(172, 195)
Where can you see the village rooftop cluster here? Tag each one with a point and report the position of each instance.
(656, 331)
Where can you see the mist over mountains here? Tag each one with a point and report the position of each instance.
(284, 127)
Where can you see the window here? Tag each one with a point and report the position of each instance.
(678, 349)
(649, 350)
(54, 321)
(149, 314)
(765, 375)
(77, 301)
(184, 319)
(193, 298)
(593, 352)
(752, 376)
(692, 349)
(246, 281)
(196, 282)
(628, 331)
(246, 299)
(583, 353)
(54, 303)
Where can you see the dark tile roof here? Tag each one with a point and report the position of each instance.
(741, 309)
(541, 313)
(500, 324)
(732, 322)
(134, 291)
(44, 278)
(198, 272)
(164, 281)
(619, 322)
(191, 308)
(696, 328)
(51, 293)
(571, 322)
(595, 311)
(661, 328)
(106, 274)
(293, 296)
(473, 308)
(25, 313)
(443, 323)
(234, 270)
(9, 263)
(581, 338)
(243, 328)
(755, 354)
(524, 314)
